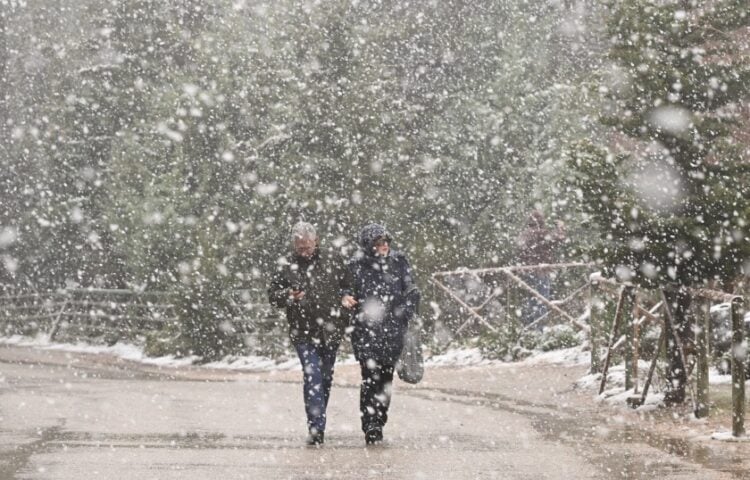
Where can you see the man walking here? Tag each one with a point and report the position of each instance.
(307, 285)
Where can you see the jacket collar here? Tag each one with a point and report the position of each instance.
(300, 260)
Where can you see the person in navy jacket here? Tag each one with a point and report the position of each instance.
(380, 289)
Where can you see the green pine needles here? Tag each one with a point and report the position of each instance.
(667, 189)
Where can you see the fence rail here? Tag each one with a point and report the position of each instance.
(626, 328)
(91, 313)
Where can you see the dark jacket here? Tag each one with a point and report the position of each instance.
(538, 244)
(388, 299)
(318, 316)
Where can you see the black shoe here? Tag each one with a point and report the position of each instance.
(373, 436)
(316, 438)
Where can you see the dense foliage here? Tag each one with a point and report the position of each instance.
(169, 145)
(668, 189)
(148, 139)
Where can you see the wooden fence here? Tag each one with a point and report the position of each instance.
(111, 315)
(635, 310)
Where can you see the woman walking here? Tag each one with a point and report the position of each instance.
(379, 287)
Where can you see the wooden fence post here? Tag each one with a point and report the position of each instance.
(628, 294)
(652, 368)
(701, 343)
(56, 324)
(738, 369)
(594, 322)
(612, 338)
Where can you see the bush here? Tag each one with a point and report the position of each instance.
(509, 343)
(167, 341)
(557, 337)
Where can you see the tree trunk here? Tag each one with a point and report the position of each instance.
(3, 75)
(678, 303)
(701, 343)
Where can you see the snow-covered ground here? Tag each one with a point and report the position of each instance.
(135, 353)
(470, 360)
(469, 357)
(459, 357)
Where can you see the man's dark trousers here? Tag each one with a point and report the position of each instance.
(317, 360)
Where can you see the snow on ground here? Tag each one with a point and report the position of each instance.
(472, 357)
(459, 357)
(467, 357)
(728, 437)
(616, 395)
(135, 353)
(255, 363)
(566, 356)
(451, 358)
(120, 350)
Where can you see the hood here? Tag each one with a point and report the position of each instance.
(369, 234)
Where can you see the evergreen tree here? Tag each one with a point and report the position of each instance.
(170, 145)
(669, 192)
(669, 195)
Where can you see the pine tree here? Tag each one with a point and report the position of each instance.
(669, 193)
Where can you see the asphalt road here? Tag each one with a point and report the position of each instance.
(76, 416)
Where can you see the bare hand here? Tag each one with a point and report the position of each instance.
(296, 295)
(348, 301)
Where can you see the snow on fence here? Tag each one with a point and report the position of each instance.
(511, 276)
(635, 310)
(118, 314)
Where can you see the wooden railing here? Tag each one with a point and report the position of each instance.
(118, 314)
(635, 310)
(512, 277)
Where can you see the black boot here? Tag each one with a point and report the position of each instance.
(374, 436)
(315, 438)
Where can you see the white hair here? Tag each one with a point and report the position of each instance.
(303, 230)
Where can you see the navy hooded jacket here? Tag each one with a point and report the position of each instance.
(387, 297)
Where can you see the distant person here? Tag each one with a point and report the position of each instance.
(538, 244)
(381, 290)
(307, 285)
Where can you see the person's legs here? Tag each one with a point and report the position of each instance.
(383, 397)
(533, 308)
(375, 397)
(327, 363)
(312, 387)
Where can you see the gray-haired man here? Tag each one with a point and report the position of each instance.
(307, 285)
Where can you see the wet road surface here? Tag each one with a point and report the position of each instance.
(77, 416)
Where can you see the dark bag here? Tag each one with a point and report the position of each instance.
(410, 365)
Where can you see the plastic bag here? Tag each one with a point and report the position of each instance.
(410, 366)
